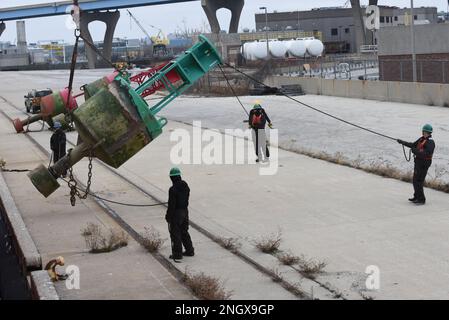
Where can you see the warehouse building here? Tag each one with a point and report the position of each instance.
(337, 24)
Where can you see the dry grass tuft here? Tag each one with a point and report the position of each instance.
(276, 275)
(295, 289)
(269, 244)
(310, 268)
(288, 259)
(206, 287)
(151, 239)
(231, 244)
(99, 242)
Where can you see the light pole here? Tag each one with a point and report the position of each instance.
(298, 24)
(266, 29)
(412, 29)
(339, 39)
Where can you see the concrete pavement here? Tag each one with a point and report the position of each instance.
(55, 227)
(347, 217)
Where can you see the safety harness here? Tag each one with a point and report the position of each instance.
(420, 147)
(257, 119)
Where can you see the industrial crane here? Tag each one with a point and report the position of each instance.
(160, 42)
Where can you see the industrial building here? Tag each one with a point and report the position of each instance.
(58, 52)
(432, 54)
(337, 24)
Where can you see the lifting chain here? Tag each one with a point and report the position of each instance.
(73, 184)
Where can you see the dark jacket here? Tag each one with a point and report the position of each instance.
(58, 142)
(178, 199)
(425, 154)
(256, 112)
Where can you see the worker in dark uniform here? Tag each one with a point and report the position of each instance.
(258, 119)
(422, 149)
(58, 143)
(177, 216)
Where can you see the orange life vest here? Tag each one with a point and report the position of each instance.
(420, 148)
(257, 119)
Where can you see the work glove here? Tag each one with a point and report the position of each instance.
(270, 125)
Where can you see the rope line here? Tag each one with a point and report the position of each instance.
(232, 89)
(311, 107)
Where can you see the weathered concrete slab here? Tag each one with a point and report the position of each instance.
(347, 217)
(24, 244)
(129, 273)
(42, 288)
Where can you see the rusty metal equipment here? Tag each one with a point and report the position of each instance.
(116, 122)
(56, 104)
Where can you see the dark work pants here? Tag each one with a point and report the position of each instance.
(419, 176)
(57, 156)
(179, 233)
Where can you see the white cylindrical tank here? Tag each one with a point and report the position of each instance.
(247, 50)
(301, 47)
(278, 49)
(315, 47)
(259, 50)
(244, 50)
(297, 48)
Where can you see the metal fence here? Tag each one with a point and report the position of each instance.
(349, 69)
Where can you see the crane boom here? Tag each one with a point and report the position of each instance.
(139, 25)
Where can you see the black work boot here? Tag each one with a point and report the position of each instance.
(175, 258)
(188, 253)
(420, 202)
(412, 199)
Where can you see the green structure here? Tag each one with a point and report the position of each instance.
(116, 122)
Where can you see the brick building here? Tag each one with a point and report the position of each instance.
(432, 53)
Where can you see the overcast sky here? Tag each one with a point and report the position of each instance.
(170, 17)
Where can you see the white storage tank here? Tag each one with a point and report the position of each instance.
(301, 47)
(246, 51)
(297, 47)
(278, 49)
(315, 47)
(259, 50)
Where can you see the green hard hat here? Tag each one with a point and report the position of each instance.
(427, 128)
(175, 172)
(257, 106)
